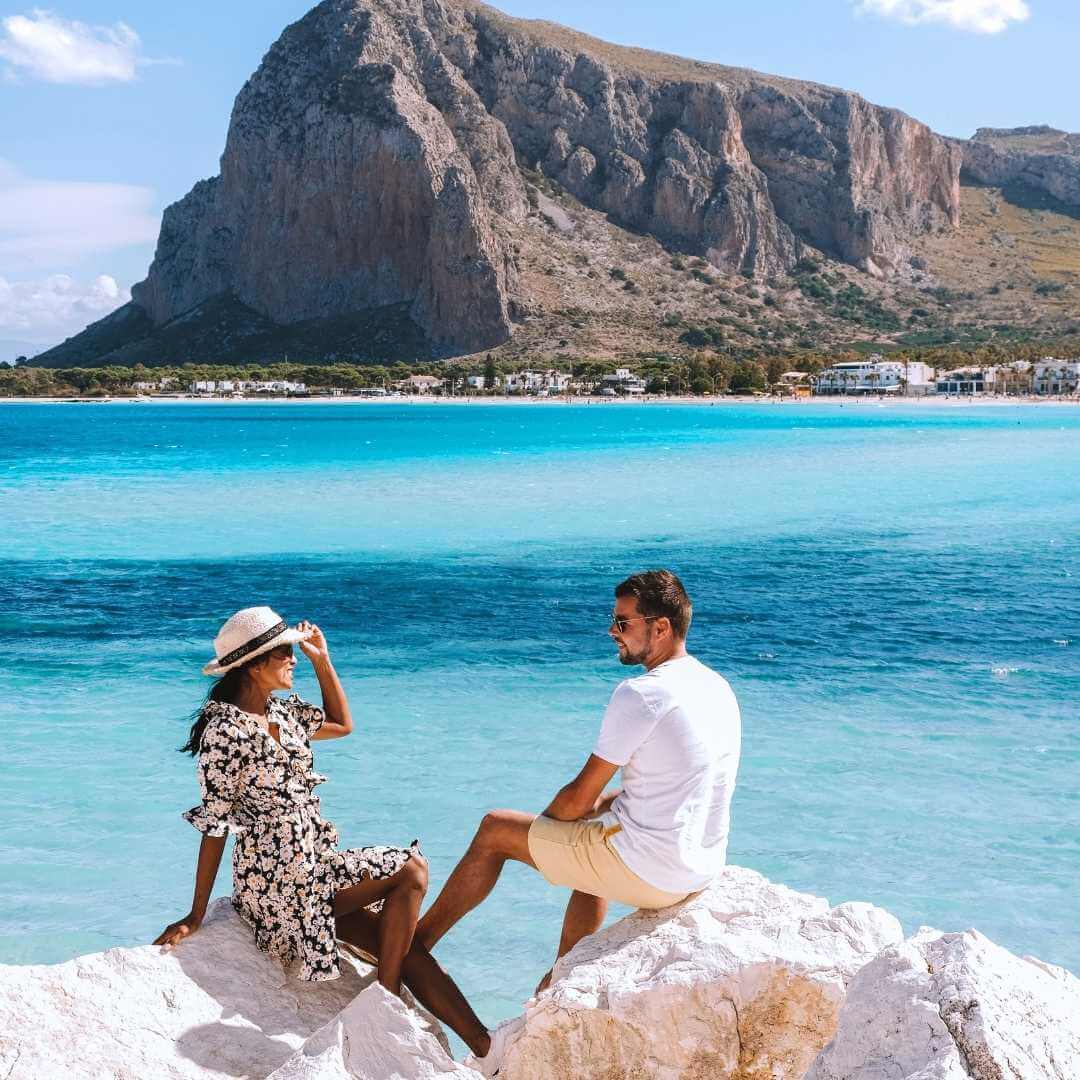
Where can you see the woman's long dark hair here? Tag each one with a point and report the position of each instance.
(226, 689)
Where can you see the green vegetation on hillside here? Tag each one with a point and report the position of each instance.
(707, 366)
(843, 299)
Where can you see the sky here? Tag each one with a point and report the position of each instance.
(110, 110)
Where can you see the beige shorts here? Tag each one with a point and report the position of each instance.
(578, 855)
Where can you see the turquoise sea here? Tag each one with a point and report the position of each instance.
(894, 593)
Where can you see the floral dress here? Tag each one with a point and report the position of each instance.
(286, 862)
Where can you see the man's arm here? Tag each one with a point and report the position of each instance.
(603, 804)
(584, 795)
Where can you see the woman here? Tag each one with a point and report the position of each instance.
(291, 883)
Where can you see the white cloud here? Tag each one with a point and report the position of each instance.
(57, 50)
(50, 223)
(978, 16)
(56, 307)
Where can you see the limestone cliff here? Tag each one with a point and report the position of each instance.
(351, 179)
(379, 157)
(1028, 160)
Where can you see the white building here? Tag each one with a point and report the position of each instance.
(623, 382)
(1056, 376)
(420, 384)
(538, 382)
(971, 381)
(875, 375)
(520, 382)
(273, 386)
(478, 382)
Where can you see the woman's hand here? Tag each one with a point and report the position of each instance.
(315, 648)
(176, 932)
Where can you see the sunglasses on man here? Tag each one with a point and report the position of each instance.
(621, 622)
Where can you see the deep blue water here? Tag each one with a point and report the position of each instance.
(891, 591)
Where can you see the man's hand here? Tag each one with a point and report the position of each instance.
(581, 797)
(603, 804)
(176, 932)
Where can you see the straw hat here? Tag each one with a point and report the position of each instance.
(249, 633)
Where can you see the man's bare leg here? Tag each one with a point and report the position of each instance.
(584, 916)
(503, 834)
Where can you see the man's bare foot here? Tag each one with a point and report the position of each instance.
(543, 984)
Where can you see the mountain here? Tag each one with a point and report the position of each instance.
(423, 178)
(1038, 164)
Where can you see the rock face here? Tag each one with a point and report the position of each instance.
(1040, 159)
(359, 172)
(745, 981)
(214, 1007)
(725, 163)
(375, 1037)
(955, 1007)
(378, 157)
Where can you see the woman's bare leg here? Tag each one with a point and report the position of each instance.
(434, 989)
(402, 894)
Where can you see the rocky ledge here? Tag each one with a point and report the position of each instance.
(1036, 166)
(748, 981)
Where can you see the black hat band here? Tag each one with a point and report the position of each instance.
(253, 644)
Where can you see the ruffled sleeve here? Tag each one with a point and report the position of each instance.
(219, 764)
(309, 717)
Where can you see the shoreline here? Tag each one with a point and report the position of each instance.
(831, 401)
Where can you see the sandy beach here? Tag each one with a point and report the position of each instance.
(837, 401)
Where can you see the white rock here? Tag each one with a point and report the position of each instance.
(377, 1037)
(745, 980)
(213, 1007)
(953, 1007)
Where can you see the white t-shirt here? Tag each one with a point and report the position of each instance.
(676, 733)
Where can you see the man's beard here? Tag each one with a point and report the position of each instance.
(631, 658)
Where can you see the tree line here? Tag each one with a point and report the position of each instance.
(697, 371)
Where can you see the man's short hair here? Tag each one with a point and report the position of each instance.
(660, 592)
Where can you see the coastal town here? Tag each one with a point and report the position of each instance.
(872, 376)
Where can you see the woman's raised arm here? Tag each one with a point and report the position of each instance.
(205, 873)
(335, 705)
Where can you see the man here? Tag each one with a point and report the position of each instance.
(675, 733)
